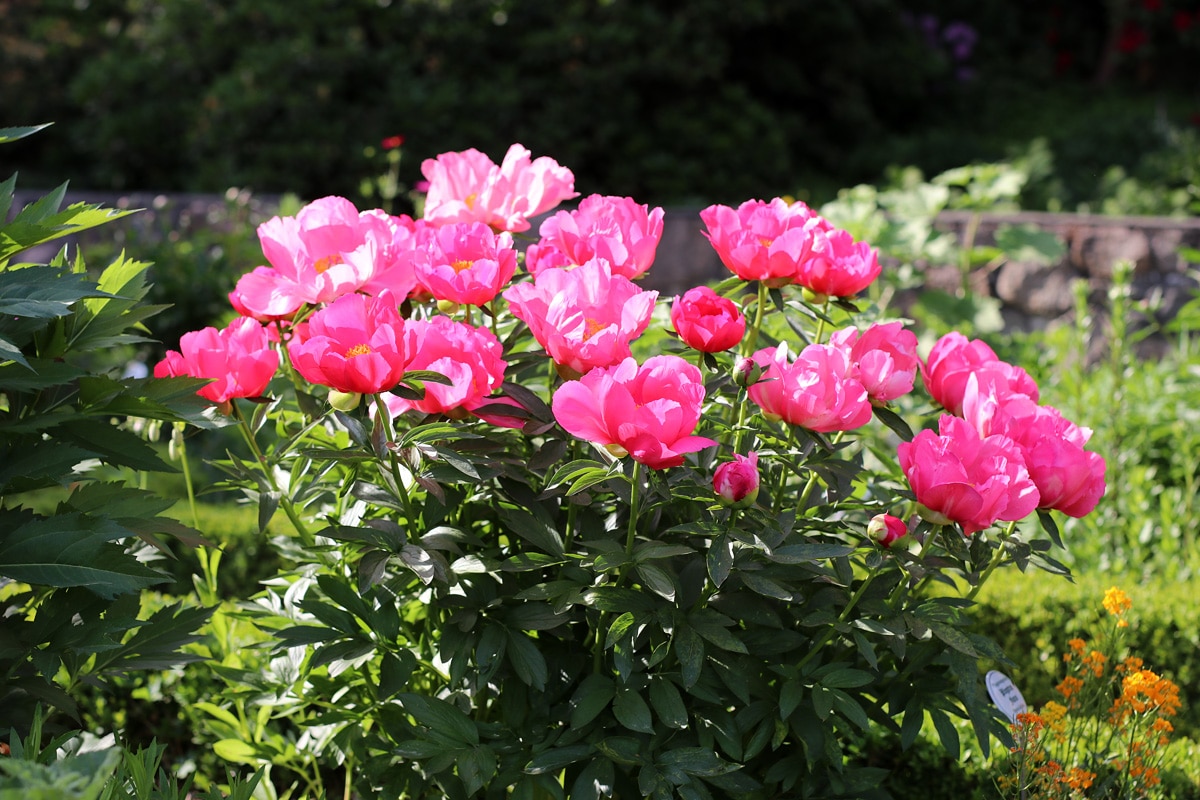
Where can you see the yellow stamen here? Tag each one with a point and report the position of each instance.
(325, 263)
(461, 264)
(358, 350)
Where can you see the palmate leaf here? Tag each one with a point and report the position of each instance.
(43, 292)
(14, 133)
(74, 550)
(42, 221)
(155, 644)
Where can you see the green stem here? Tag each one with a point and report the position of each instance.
(306, 536)
(997, 559)
(187, 475)
(821, 321)
(630, 539)
(925, 545)
(752, 339)
(829, 632)
(384, 419)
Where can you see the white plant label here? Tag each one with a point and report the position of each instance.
(1005, 695)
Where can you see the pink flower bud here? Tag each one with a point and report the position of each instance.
(736, 482)
(746, 371)
(885, 529)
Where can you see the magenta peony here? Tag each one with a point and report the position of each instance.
(648, 412)
(959, 476)
(736, 482)
(816, 391)
(706, 321)
(355, 344)
(584, 317)
(762, 241)
(238, 358)
(617, 229)
(883, 358)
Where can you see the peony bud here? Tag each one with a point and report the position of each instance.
(344, 401)
(885, 529)
(736, 482)
(746, 371)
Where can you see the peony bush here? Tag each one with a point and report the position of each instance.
(548, 546)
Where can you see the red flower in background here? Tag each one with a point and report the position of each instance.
(1152, 5)
(392, 142)
(1183, 20)
(1132, 38)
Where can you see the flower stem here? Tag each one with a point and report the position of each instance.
(187, 474)
(752, 339)
(306, 536)
(829, 632)
(997, 558)
(821, 321)
(925, 545)
(383, 418)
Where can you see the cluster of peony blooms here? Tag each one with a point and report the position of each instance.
(330, 300)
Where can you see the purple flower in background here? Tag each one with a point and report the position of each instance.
(962, 38)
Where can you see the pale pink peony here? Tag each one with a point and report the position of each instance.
(397, 240)
(736, 482)
(616, 229)
(959, 476)
(354, 344)
(834, 265)
(322, 253)
(883, 358)
(472, 358)
(469, 187)
(648, 412)
(817, 391)
(706, 321)
(954, 358)
(584, 317)
(1069, 478)
(466, 262)
(762, 241)
(238, 358)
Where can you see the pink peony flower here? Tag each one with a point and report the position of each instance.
(616, 229)
(648, 412)
(834, 265)
(883, 358)
(238, 358)
(959, 476)
(761, 241)
(469, 187)
(736, 482)
(1068, 477)
(817, 391)
(354, 344)
(954, 358)
(584, 317)
(472, 358)
(884, 529)
(397, 241)
(706, 321)
(466, 263)
(316, 256)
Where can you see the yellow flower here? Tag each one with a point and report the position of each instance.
(1116, 602)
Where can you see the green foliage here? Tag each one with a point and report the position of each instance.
(70, 575)
(81, 767)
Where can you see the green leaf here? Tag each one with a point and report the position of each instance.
(689, 650)
(594, 694)
(631, 710)
(1028, 243)
(556, 758)
(74, 550)
(720, 559)
(237, 751)
(808, 552)
(156, 644)
(531, 529)
(946, 732)
(12, 134)
(440, 716)
(668, 703)
(700, 761)
(527, 661)
(845, 678)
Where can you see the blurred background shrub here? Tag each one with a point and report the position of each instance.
(670, 102)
